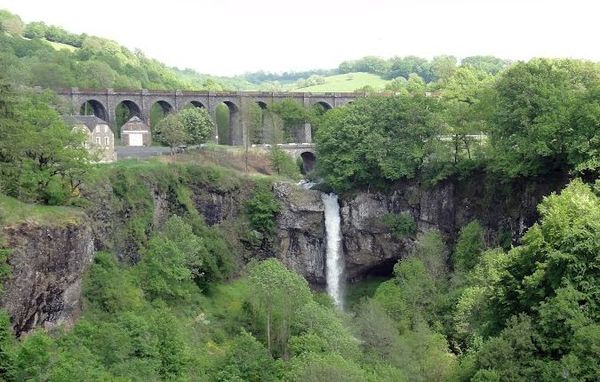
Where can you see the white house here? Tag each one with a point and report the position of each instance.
(101, 139)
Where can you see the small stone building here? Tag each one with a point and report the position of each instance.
(135, 133)
(101, 139)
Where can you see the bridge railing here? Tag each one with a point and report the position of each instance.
(80, 91)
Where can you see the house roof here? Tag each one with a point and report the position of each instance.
(135, 123)
(90, 121)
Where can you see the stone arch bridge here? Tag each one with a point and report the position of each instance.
(104, 104)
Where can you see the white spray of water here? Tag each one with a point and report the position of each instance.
(334, 260)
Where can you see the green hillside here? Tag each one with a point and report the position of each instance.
(36, 54)
(59, 46)
(347, 82)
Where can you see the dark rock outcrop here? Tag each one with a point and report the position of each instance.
(301, 231)
(505, 210)
(48, 264)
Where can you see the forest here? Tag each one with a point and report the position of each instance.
(207, 302)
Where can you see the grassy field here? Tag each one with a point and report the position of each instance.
(13, 211)
(59, 46)
(347, 83)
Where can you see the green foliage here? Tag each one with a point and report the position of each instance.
(10, 23)
(282, 163)
(530, 119)
(48, 55)
(261, 209)
(248, 360)
(511, 355)
(558, 251)
(325, 367)
(5, 269)
(405, 66)
(431, 250)
(346, 82)
(198, 124)
(401, 225)
(41, 159)
(408, 298)
(530, 314)
(582, 139)
(276, 296)
(176, 257)
(164, 270)
(439, 68)
(293, 115)
(223, 123)
(467, 97)
(171, 132)
(443, 67)
(354, 142)
(317, 329)
(523, 315)
(111, 287)
(207, 256)
(369, 64)
(531, 131)
(470, 316)
(377, 331)
(423, 355)
(488, 64)
(189, 126)
(583, 361)
(469, 246)
(33, 357)
(7, 349)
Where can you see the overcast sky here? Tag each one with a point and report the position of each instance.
(227, 37)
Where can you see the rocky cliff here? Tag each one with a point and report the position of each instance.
(48, 263)
(301, 231)
(506, 210)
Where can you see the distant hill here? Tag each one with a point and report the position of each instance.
(347, 82)
(38, 54)
(46, 55)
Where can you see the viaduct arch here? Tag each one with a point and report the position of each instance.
(104, 103)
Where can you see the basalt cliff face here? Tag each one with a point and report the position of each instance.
(301, 231)
(48, 264)
(506, 210)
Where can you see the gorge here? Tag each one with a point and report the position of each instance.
(305, 236)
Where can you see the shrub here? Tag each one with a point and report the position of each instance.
(261, 209)
(401, 225)
(469, 246)
(283, 164)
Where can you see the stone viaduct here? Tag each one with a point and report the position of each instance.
(104, 104)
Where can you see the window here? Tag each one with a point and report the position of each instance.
(106, 141)
(98, 140)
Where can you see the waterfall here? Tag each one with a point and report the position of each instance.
(334, 260)
(334, 257)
